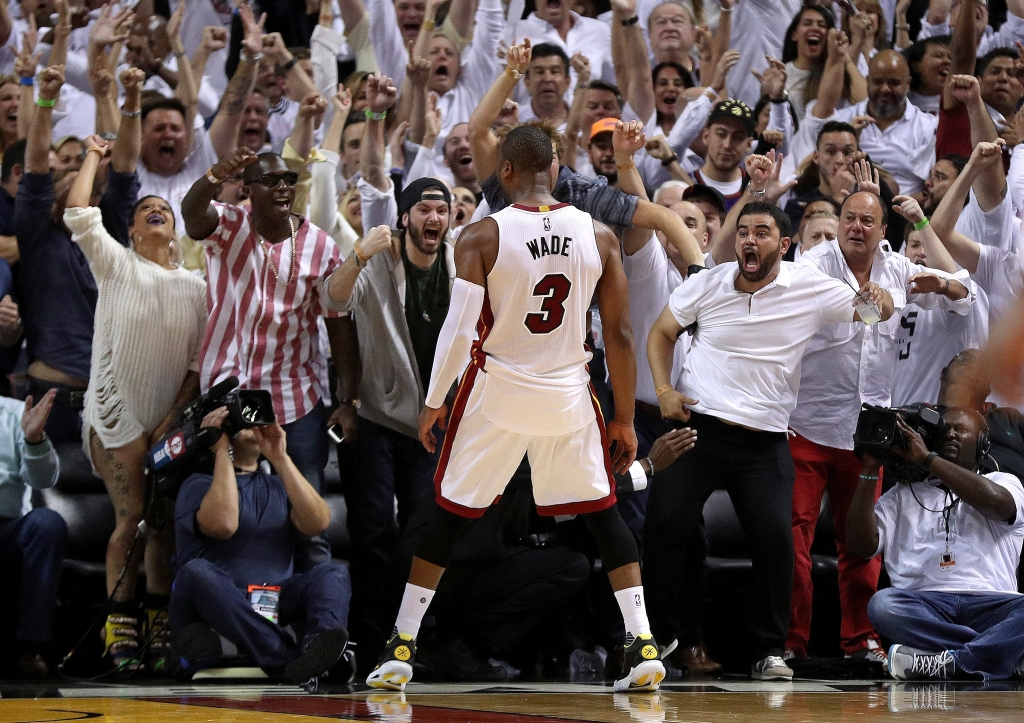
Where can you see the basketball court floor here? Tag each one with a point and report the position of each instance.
(726, 700)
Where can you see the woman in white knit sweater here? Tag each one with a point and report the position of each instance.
(150, 319)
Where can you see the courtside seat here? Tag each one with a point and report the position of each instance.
(728, 584)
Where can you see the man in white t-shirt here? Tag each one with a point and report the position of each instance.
(727, 137)
(951, 546)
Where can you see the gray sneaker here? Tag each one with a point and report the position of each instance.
(771, 668)
(906, 663)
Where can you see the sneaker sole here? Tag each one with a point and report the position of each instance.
(644, 677)
(888, 663)
(772, 676)
(392, 675)
(323, 652)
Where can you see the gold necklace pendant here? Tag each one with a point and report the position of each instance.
(270, 260)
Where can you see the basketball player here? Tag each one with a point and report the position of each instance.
(525, 279)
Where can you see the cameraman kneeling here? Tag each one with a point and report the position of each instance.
(237, 529)
(951, 546)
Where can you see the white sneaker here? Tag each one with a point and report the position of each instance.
(771, 668)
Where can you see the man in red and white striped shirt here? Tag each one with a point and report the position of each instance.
(266, 269)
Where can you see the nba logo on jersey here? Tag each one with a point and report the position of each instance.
(547, 223)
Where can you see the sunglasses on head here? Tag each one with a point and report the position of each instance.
(271, 180)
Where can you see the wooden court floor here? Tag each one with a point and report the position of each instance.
(725, 701)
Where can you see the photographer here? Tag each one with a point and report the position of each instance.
(238, 529)
(951, 546)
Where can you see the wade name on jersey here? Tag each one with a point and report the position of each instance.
(557, 247)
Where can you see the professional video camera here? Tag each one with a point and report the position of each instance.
(185, 448)
(877, 432)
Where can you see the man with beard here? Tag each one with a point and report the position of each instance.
(397, 288)
(753, 319)
(601, 151)
(940, 178)
(727, 137)
(267, 269)
(842, 368)
(899, 137)
(459, 160)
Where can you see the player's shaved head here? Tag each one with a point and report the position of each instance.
(527, 149)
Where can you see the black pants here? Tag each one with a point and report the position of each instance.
(756, 469)
(495, 604)
(388, 466)
(689, 613)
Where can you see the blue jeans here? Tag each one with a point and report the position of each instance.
(307, 446)
(31, 555)
(311, 603)
(983, 631)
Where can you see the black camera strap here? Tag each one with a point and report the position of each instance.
(951, 502)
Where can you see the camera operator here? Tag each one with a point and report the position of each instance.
(951, 546)
(236, 529)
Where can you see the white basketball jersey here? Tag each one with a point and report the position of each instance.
(538, 294)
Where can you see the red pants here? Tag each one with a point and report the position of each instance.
(820, 468)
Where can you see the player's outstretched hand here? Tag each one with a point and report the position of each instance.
(429, 417)
(623, 450)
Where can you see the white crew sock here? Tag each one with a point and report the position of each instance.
(634, 611)
(415, 602)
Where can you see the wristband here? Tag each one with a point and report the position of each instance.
(630, 21)
(757, 194)
(99, 149)
(650, 464)
(370, 115)
(921, 224)
(512, 72)
(360, 259)
(662, 389)
(289, 65)
(44, 440)
(131, 113)
(670, 160)
(694, 269)
(724, 10)
(30, 80)
(625, 166)
(869, 477)
(927, 463)
(429, 25)
(46, 102)
(212, 178)
(245, 58)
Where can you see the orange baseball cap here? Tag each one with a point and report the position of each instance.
(605, 125)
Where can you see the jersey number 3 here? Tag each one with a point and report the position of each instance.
(555, 290)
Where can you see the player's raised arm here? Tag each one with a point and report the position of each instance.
(620, 353)
(479, 241)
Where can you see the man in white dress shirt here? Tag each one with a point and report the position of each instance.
(902, 137)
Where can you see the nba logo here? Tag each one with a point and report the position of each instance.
(547, 224)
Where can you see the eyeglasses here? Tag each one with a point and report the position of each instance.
(272, 180)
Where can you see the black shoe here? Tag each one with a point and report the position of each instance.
(394, 668)
(642, 668)
(322, 652)
(455, 661)
(194, 649)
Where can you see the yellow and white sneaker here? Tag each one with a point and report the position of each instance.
(642, 669)
(394, 669)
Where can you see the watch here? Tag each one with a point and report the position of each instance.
(695, 269)
(927, 463)
(757, 194)
(354, 403)
(783, 99)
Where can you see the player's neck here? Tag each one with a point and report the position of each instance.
(534, 194)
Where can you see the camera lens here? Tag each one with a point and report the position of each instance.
(880, 431)
(250, 412)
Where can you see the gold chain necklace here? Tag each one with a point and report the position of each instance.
(266, 250)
